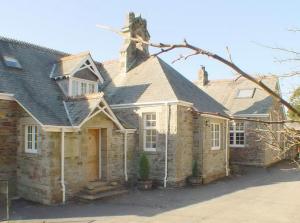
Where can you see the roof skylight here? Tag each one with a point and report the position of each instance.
(11, 62)
(245, 93)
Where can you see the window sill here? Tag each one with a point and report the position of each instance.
(237, 146)
(215, 148)
(149, 150)
(30, 152)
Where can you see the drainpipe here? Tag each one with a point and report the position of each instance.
(166, 144)
(226, 148)
(63, 186)
(125, 156)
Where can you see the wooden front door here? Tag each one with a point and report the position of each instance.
(93, 155)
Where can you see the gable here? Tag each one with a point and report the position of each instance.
(86, 74)
(70, 65)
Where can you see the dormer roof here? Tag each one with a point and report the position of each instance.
(67, 66)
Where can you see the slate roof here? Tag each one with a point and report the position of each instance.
(225, 92)
(156, 81)
(151, 81)
(31, 85)
(79, 109)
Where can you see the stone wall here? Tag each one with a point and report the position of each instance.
(184, 145)
(9, 113)
(33, 171)
(253, 153)
(213, 162)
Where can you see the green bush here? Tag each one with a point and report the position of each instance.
(195, 169)
(144, 169)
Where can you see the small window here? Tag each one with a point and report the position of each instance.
(245, 93)
(75, 88)
(91, 88)
(215, 136)
(150, 132)
(31, 138)
(11, 62)
(237, 134)
(83, 88)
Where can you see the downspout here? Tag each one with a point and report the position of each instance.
(226, 148)
(166, 145)
(62, 182)
(125, 156)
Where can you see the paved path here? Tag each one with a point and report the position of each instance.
(260, 195)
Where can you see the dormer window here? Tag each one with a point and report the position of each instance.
(245, 93)
(82, 87)
(11, 62)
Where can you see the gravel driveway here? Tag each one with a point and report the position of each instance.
(258, 195)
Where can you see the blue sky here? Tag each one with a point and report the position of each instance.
(71, 26)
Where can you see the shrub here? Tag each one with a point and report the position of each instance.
(144, 167)
(195, 169)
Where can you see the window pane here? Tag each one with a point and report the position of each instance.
(83, 88)
(74, 88)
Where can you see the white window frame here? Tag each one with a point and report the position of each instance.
(145, 128)
(234, 131)
(34, 139)
(213, 136)
(79, 82)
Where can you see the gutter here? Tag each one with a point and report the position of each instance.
(226, 149)
(62, 169)
(166, 143)
(125, 156)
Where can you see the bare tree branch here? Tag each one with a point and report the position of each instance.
(279, 48)
(166, 47)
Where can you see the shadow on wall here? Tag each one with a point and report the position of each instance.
(151, 203)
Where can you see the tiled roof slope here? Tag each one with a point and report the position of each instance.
(31, 85)
(156, 81)
(225, 92)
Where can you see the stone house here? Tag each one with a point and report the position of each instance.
(243, 99)
(67, 120)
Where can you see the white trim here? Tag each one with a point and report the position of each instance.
(7, 96)
(106, 110)
(92, 64)
(52, 70)
(34, 141)
(55, 128)
(263, 115)
(125, 155)
(166, 144)
(143, 104)
(213, 116)
(62, 169)
(99, 153)
(212, 139)
(79, 82)
(226, 149)
(145, 128)
(68, 114)
(234, 131)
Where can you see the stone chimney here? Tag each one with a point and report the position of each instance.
(202, 76)
(132, 53)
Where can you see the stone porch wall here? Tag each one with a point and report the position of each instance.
(76, 145)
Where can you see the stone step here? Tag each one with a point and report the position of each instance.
(94, 184)
(102, 195)
(101, 189)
